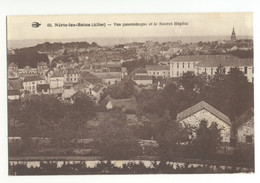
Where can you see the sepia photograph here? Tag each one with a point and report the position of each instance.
(125, 94)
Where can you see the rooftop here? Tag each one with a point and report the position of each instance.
(214, 60)
(199, 106)
(15, 84)
(98, 88)
(142, 77)
(41, 87)
(158, 67)
(32, 78)
(125, 104)
(13, 92)
(245, 117)
(12, 65)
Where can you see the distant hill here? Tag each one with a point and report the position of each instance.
(32, 55)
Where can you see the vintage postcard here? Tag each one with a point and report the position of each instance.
(130, 94)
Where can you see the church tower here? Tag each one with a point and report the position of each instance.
(233, 35)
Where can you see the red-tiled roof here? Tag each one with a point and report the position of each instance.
(199, 106)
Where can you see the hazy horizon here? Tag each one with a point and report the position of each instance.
(108, 41)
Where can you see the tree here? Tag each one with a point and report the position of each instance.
(123, 89)
(171, 135)
(14, 108)
(117, 141)
(208, 139)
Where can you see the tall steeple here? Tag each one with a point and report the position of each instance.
(233, 35)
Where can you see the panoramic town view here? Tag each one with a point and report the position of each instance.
(150, 107)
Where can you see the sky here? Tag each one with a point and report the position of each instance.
(199, 24)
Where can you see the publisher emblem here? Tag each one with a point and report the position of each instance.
(36, 24)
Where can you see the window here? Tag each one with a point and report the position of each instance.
(211, 71)
(177, 65)
(205, 70)
(245, 70)
(183, 65)
(253, 70)
(177, 73)
(193, 64)
(188, 64)
(249, 139)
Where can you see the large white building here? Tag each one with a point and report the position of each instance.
(209, 63)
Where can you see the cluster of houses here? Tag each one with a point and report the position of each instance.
(64, 82)
(67, 81)
(199, 64)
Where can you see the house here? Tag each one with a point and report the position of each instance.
(48, 75)
(111, 80)
(141, 72)
(203, 111)
(30, 83)
(245, 127)
(78, 94)
(12, 75)
(28, 71)
(68, 92)
(71, 76)
(142, 80)
(13, 94)
(110, 73)
(97, 91)
(15, 84)
(181, 64)
(42, 68)
(13, 71)
(13, 67)
(57, 80)
(84, 86)
(127, 105)
(43, 89)
(158, 70)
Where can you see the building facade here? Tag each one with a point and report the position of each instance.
(245, 130)
(30, 83)
(203, 111)
(158, 70)
(208, 64)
